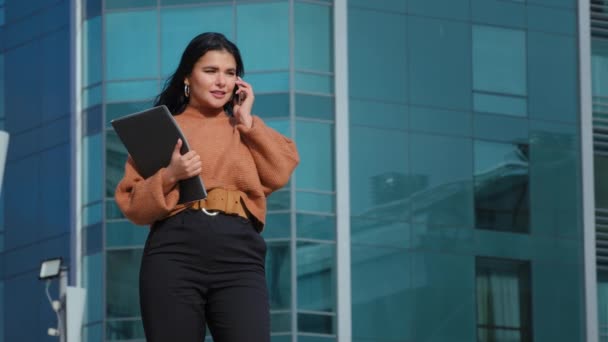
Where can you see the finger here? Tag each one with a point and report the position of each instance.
(178, 146)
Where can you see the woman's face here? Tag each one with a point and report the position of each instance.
(212, 80)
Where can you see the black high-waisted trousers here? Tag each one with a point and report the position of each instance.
(199, 270)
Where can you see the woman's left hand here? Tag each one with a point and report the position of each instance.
(242, 108)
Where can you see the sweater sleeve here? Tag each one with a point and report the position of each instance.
(143, 201)
(275, 155)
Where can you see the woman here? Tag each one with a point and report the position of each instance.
(203, 262)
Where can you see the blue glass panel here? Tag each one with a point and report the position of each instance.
(378, 229)
(499, 13)
(433, 120)
(314, 83)
(271, 105)
(553, 60)
(120, 4)
(278, 274)
(279, 200)
(316, 227)
(91, 51)
(365, 39)
(285, 338)
(378, 114)
(380, 181)
(92, 122)
(91, 96)
(315, 146)
(184, 2)
(441, 239)
(93, 333)
(549, 19)
(444, 196)
(384, 5)
(122, 274)
(318, 324)
(313, 37)
(124, 330)
(131, 45)
(281, 126)
(91, 8)
(449, 9)
(500, 128)
(440, 56)
(502, 186)
(499, 60)
(278, 226)
(92, 214)
(2, 81)
(268, 82)
(125, 234)
(316, 274)
(180, 25)
(131, 90)
(116, 110)
(263, 35)
(600, 164)
(93, 282)
(112, 210)
(280, 322)
(442, 301)
(561, 3)
(92, 169)
(381, 294)
(317, 202)
(500, 104)
(92, 239)
(316, 107)
(116, 157)
(555, 181)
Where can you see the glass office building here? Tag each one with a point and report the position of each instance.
(440, 195)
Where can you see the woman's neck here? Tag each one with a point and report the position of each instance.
(206, 111)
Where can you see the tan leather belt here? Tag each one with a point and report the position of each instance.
(221, 200)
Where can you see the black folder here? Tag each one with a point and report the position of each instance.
(150, 137)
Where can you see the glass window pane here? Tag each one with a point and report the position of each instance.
(499, 13)
(378, 114)
(379, 231)
(92, 278)
(116, 157)
(92, 168)
(599, 67)
(91, 121)
(2, 77)
(433, 120)
(451, 9)
(440, 56)
(499, 60)
(124, 330)
(278, 274)
(316, 202)
(502, 186)
(91, 50)
(553, 59)
(314, 83)
(122, 276)
(316, 276)
(91, 214)
(279, 200)
(501, 128)
(313, 37)
(180, 25)
(271, 105)
(365, 39)
(547, 19)
(123, 233)
(120, 4)
(316, 227)
(263, 35)
(131, 45)
(116, 110)
(93, 333)
(601, 182)
(316, 107)
(92, 238)
(91, 96)
(383, 5)
(443, 196)
(380, 178)
(319, 324)
(278, 226)
(280, 322)
(500, 104)
(184, 2)
(112, 210)
(315, 146)
(268, 82)
(91, 8)
(131, 90)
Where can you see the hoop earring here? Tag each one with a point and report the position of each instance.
(186, 90)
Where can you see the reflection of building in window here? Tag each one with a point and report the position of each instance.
(393, 186)
(502, 186)
(503, 300)
(602, 302)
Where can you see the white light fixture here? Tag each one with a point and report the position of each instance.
(50, 268)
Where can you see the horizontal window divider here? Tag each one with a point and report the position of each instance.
(488, 92)
(319, 241)
(315, 312)
(316, 213)
(321, 192)
(305, 119)
(316, 2)
(123, 248)
(315, 334)
(314, 72)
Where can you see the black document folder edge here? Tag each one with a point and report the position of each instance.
(150, 137)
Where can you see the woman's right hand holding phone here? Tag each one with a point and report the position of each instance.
(181, 167)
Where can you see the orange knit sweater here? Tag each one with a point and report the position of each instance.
(255, 161)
